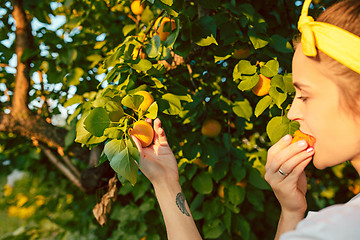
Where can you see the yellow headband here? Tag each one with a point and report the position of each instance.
(335, 42)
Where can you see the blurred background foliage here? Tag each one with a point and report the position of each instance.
(85, 49)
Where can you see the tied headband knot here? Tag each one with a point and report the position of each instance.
(337, 43)
(307, 36)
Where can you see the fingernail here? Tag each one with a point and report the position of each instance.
(301, 143)
(310, 149)
(286, 138)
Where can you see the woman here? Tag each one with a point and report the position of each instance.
(327, 106)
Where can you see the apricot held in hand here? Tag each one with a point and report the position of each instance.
(143, 131)
(299, 135)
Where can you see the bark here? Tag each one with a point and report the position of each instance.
(23, 40)
(22, 121)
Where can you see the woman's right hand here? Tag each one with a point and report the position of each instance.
(290, 188)
(157, 161)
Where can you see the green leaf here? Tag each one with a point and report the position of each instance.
(243, 109)
(213, 229)
(97, 121)
(202, 183)
(249, 82)
(257, 39)
(85, 137)
(170, 40)
(152, 111)
(167, 2)
(70, 135)
(128, 28)
(207, 41)
(277, 96)
(256, 198)
(289, 87)
(114, 147)
(113, 132)
(132, 101)
(220, 170)
(74, 76)
(123, 164)
(153, 48)
(243, 226)
(263, 104)
(174, 104)
(277, 81)
(75, 99)
(277, 127)
(204, 31)
(220, 58)
(270, 68)
(257, 180)
(29, 53)
(133, 151)
(236, 194)
(281, 44)
(243, 67)
(143, 65)
(238, 170)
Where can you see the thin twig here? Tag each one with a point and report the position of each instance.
(51, 156)
(191, 76)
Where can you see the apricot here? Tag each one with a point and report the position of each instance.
(263, 86)
(148, 100)
(136, 7)
(211, 128)
(159, 27)
(241, 53)
(299, 135)
(143, 131)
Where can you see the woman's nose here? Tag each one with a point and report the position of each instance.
(294, 113)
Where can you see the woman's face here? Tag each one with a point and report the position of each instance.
(318, 109)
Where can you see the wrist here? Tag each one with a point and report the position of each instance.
(293, 215)
(167, 186)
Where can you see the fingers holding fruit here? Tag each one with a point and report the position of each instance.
(285, 166)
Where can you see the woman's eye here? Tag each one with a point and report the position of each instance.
(302, 98)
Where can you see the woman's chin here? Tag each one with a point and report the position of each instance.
(318, 163)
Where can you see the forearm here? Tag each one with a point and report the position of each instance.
(287, 222)
(178, 220)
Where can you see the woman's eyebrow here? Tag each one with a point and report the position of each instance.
(300, 85)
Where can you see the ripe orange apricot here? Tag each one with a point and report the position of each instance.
(299, 135)
(143, 131)
(211, 128)
(263, 86)
(159, 27)
(241, 53)
(148, 100)
(136, 7)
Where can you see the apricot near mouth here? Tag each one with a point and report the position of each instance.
(299, 135)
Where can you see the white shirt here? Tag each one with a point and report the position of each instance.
(339, 221)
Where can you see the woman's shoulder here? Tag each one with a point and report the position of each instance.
(340, 221)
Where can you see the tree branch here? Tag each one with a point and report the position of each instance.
(24, 40)
(51, 156)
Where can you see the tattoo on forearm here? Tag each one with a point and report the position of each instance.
(180, 202)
